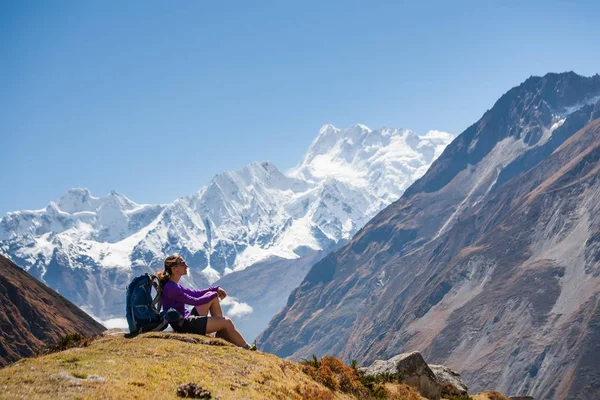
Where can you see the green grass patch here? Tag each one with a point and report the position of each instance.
(80, 375)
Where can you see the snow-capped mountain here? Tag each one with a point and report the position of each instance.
(88, 248)
(385, 161)
(81, 225)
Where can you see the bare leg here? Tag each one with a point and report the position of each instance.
(214, 306)
(225, 328)
(223, 335)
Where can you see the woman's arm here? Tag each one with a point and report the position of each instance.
(199, 293)
(181, 295)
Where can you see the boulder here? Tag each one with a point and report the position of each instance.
(415, 372)
(446, 376)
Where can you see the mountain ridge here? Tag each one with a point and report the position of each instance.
(33, 315)
(417, 276)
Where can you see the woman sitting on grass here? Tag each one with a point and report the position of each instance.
(175, 296)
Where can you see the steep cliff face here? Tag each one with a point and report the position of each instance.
(488, 264)
(33, 315)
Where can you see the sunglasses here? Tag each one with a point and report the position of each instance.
(178, 263)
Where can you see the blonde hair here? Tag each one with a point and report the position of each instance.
(172, 261)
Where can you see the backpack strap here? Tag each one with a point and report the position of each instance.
(156, 302)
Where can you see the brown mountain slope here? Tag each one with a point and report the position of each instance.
(535, 287)
(489, 264)
(32, 315)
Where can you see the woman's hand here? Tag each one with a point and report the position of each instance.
(221, 293)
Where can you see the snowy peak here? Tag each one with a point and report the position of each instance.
(107, 219)
(363, 157)
(76, 200)
(257, 181)
(80, 199)
(119, 201)
(327, 129)
(332, 139)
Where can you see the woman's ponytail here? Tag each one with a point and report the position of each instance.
(163, 277)
(170, 262)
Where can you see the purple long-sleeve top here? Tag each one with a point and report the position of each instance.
(176, 296)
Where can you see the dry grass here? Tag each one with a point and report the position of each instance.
(150, 366)
(402, 392)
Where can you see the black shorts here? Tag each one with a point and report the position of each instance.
(193, 324)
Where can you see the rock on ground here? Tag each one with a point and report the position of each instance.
(415, 372)
(446, 375)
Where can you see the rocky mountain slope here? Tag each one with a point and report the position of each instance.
(488, 264)
(32, 315)
(88, 248)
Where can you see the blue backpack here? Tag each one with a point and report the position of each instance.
(143, 311)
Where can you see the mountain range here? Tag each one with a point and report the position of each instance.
(488, 264)
(89, 248)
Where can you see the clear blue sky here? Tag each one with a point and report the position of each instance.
(152, 98)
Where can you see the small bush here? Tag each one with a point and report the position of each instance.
(315, 363)
(379, 392)
(373, 383)
(68, 341)
(333, 374)
(193, 390)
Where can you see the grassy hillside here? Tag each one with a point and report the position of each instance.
(154, 365)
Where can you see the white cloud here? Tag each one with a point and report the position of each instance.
(110, 323)
(115, 323)
(235, 308)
